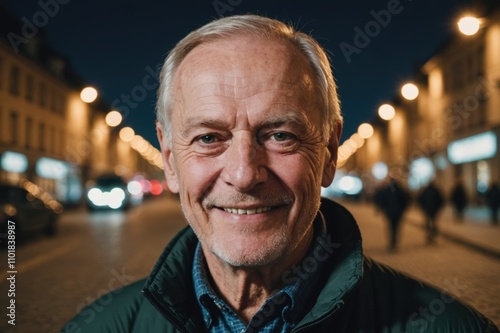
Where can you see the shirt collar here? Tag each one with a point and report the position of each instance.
(301, 279)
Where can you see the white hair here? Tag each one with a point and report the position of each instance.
(261, 26)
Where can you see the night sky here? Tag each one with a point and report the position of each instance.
(117, 46)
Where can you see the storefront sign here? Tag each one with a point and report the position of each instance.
(473, 148)
(14, 162)
(51, 169)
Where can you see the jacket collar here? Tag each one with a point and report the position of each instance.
(345, 263)
(170, 286)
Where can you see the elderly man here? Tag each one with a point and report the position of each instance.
(249, 125)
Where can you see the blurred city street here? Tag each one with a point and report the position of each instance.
(84, 204)
(97, 252)
(464, 261)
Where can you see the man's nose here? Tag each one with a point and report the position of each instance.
(244, 164)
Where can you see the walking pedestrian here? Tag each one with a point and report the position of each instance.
(493, 201)
(459, 200)
(431, 201)
(392, 199)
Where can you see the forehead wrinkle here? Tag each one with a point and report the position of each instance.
(217, 85)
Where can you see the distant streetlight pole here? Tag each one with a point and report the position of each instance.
(410, 92)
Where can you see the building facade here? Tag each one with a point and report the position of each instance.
(451, 130)
(48, 135)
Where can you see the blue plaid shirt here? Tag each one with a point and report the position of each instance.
(281, 312)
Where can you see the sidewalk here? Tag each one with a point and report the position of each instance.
(476, 230)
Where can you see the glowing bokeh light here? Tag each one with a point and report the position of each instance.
(469, 25)
(409, 91)
(114, 118)
(365, 130)
(127, 134)
(386, 111)
(88, 94)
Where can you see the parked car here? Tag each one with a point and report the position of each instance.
(108, 192)
(29, 212)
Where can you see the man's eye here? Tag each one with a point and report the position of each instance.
(281, 136)
(208, 138)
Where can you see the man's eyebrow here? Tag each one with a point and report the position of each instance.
(289, 118)
(271, 122)
(197, 122)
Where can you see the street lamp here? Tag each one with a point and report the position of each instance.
(127, 134)
(358, 140)
(88, 94)
(409, 91)
(365, 130)
(469, 25)
(386, 111)
(114, 118)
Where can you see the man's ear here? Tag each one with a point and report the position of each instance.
(168, 160)
(331, 158)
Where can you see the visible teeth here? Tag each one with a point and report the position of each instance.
(247, 211)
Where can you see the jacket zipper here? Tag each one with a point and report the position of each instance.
(336, 308)
(151, 298)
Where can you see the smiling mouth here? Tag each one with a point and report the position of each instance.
(247, 211)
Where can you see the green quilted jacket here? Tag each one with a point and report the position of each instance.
(358, 295)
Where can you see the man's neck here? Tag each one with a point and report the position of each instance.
(246, 289)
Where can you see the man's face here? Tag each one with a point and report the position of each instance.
(247, 155)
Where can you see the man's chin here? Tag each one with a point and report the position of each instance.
(250, 256)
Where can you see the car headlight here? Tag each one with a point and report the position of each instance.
(134, 187)
(94, 194)
(116, 197)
